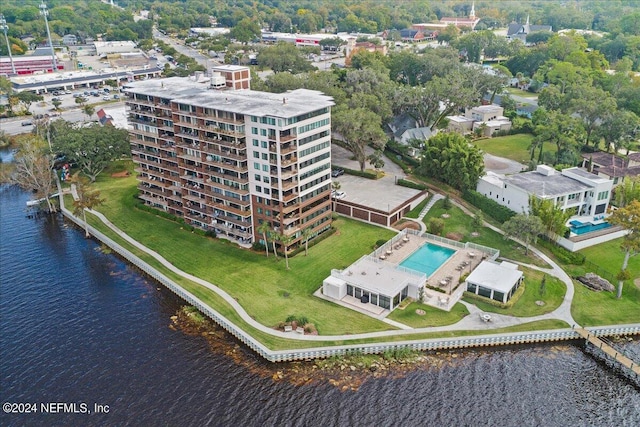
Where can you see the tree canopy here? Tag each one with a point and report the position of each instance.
(450, 158)
(358, 127)
(92, 148)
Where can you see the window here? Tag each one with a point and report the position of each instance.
(254, 131)
(265, 168)
(603, 195)
(384, 302)
(258, 188)
(265, 156)
(255, 142)
(256, 155)
(264, 144)
(263, 132)
(257, 178)
(572, 196)
(256, 166)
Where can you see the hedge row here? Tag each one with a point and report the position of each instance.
(363, 174)
(411, 184)
(563, 255)
(489, 207)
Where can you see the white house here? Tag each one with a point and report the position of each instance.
(497, 281)
(489, 117)
(573, 188)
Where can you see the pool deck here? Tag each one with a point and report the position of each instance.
(447, 276)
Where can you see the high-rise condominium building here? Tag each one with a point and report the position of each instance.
(228, 160)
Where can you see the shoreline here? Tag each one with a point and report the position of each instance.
(316, 352)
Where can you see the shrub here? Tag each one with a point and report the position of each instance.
(363, 174)
(563, 255)
(380, 243)
(411, 184)
(493, 209)
(435, 226)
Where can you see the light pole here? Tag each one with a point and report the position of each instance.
(44, 12)
(4, 27)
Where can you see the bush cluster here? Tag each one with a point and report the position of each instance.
(563, 255)
(411, 184)
(493, 209)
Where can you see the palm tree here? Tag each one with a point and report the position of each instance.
(87, 199)
(286, 241)
(306, 235)
(264, 229)
(275, 237)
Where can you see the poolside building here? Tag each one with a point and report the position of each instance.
(497, 281)
(228, 160)
(372, 281)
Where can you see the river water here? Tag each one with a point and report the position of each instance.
(79, 326)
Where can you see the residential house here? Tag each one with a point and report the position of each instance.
(585, 193)
(488, 118)
(612, 166)
(517, 31)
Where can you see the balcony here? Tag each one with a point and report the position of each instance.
(230, 177)
(243, 223)
(289, 197)
(288, 149)
(216, 195)
(287, 138)
(230, 209)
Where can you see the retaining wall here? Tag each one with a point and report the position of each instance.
(373, 348)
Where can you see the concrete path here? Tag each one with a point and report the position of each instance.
(429, 205)
(472, 322)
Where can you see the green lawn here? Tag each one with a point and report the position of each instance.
(514, 147)
(261, 285)
(520, 92)
(603, 308)
(526, 305)
(433, 316)
(415, 212)
(462, 224)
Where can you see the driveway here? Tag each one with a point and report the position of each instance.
(343, 158)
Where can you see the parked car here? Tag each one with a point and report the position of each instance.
(67, 92)
(339, 195)
(55, 98)
(116, 96)
(106, 98)
(337, 172)
(27, 123)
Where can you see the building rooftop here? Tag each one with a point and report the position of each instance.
(499, 277)
(543, 186)
(378, 277)
(255, 103)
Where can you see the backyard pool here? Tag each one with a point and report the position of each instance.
(578, 227)
(428, 258)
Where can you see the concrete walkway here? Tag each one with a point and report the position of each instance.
(429, 205)
(471, 322)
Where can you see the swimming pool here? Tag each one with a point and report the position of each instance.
(579, 228)
(428, 258)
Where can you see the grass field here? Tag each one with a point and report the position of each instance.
(526, 306)
(433, 316)
(520, 92)
(514, 147)
(462, 224)
(263, 286)
(603, 308)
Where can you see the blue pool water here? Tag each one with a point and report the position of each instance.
(578, 227)
(428, 258)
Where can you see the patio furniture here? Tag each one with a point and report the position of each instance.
(443, 282)
(471, 254)
(288, 328)
(486, 317)
(383, 257)
(300, 330)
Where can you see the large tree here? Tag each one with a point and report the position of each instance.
(592, 105)
(524, 227)
(562, 130)
(92, 148)
(284, 56)
(450, 158)
(358, 128)
(33, 170)
(629, 218)
(28, 98)
(245, 31)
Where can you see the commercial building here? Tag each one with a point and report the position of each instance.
(584, 193)
(228, 160)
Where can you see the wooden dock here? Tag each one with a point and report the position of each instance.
(610, 351)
